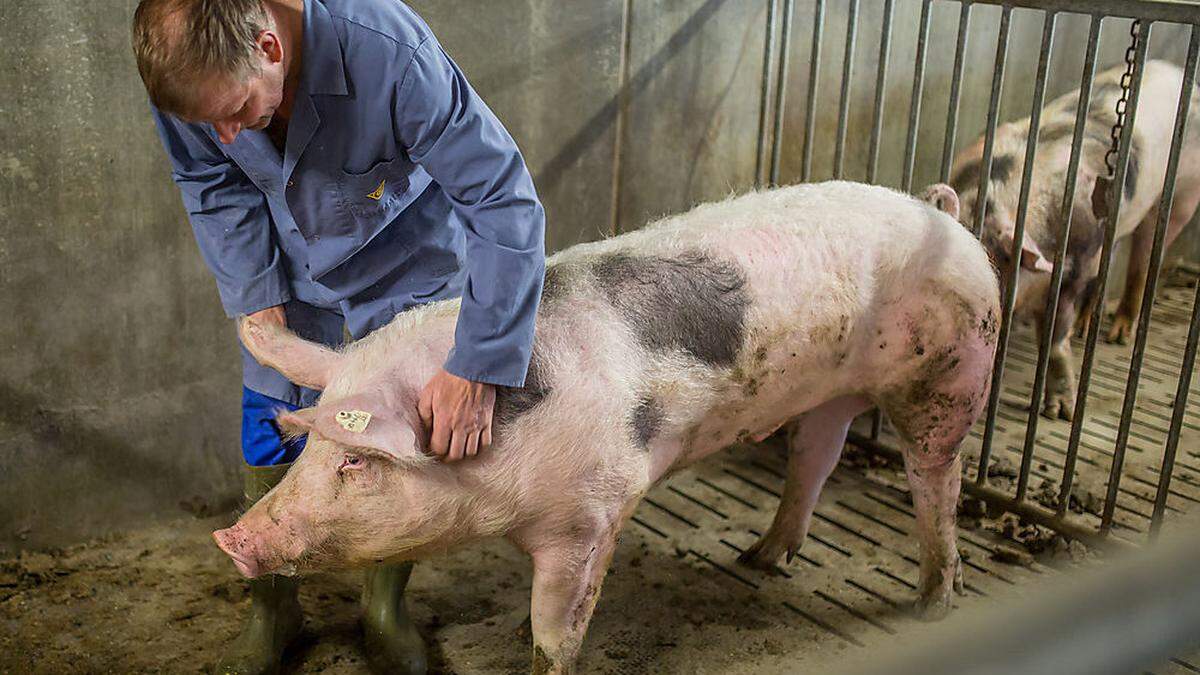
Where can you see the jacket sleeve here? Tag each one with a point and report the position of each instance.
(229, 217)
(448, 130)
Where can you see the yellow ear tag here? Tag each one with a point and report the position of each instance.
(354, 421)
(378, 192)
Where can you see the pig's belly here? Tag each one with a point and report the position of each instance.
(740, 417)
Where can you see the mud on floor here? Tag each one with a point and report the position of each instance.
(164, 599)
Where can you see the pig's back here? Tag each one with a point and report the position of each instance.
(802, 248)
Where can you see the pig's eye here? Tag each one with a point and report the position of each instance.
(351, 461)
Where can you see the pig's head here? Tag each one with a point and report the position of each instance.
(998, 236)
(362, 491)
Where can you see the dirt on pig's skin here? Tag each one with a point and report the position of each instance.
(164, 599)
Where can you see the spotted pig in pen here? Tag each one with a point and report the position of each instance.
(799, 307)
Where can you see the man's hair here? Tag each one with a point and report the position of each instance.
(179, 42)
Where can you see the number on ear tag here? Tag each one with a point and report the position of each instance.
(354, 421)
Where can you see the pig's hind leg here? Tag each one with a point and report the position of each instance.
(815, 441)
(933, 414)
(1182, 209)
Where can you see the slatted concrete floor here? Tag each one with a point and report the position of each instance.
(857, 570)
(1148, 431)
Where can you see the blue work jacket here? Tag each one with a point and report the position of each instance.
(397, 185)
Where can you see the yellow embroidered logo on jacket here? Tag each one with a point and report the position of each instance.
(377, 193)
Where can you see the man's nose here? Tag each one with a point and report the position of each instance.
(227, 131)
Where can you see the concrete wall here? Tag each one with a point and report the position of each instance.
(118, 373)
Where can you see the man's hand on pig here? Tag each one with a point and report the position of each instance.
(457, 416)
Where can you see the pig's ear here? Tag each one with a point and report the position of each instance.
(943, 198)
(295, 423)
(1032, 258)
(368, 421)
(305, 363)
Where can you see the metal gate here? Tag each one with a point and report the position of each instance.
(1129, 450)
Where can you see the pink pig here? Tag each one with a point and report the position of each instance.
(801, 306)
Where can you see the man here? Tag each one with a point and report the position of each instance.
(338, 169)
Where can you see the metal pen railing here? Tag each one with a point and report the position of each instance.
(1147, 13)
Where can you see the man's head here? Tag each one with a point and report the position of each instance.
(215, 61)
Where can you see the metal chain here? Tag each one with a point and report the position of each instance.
(1110, 158)
(1104, 183)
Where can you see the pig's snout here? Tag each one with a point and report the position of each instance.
(236, 543)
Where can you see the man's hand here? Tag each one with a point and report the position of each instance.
(271, 316)
(457, 415)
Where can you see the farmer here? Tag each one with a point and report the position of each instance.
(338, 169)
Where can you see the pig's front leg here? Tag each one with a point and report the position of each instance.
(566, 584)
(1059, 397)
(1135, 280)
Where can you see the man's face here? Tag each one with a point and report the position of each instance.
(230, 104)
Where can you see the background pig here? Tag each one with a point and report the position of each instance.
(1142, 191)
(802, 306)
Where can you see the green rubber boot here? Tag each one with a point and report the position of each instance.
(392, 642)
(275, 616)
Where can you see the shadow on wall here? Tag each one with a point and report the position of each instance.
(595, 127)
(118, 463)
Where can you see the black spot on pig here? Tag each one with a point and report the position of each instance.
(966, 177)
(693, 303)
(1002, 168)
(646, 420)
(512, 402)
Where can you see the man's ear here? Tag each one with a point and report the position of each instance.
(270, 46)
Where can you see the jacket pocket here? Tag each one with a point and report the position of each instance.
(376, 195)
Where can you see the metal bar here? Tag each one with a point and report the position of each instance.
(614, 222)
(885, 48)
(876, 424)
(985, 176)
(1114, 215)
(1067, 210)
(964, 22)
(839, 151)
(1177, 412)
(985, 449)
(1039, 380)
(1152, 10)
(764, 100)
(914, 113)
(1164, 217)
(814, 73)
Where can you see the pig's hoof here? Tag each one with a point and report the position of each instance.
(1059, 407)
(762, 558)
(1121, 330)
(933, 606)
